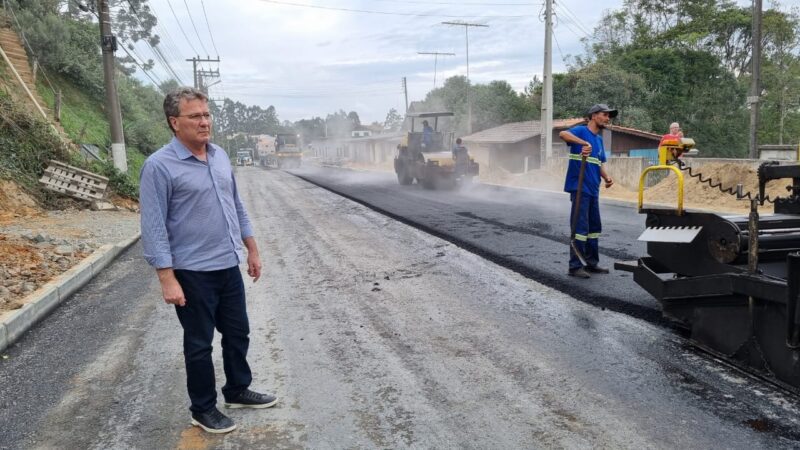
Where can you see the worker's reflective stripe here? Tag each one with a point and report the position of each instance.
(590, 160)
(594, 235)
(580, 237)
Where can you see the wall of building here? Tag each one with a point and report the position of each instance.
(624, 171)
(779, 155)
(622, 143)
(511, 157)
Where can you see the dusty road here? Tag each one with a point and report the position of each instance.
(377, 335)
(526, 231)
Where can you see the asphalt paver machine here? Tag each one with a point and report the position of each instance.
(732, 281)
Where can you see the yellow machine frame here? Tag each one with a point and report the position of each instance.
(668, 151)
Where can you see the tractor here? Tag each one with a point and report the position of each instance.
(425, 155)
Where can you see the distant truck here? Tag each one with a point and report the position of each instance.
(287, 152)
(265, 146)
(244, 157)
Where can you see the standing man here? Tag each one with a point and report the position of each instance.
(193, 228)
(460, 158)
(427, 136)
(587, 140)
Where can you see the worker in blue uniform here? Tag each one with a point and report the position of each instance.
(427, 136)
(587, 140)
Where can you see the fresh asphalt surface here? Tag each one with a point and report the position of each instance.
(524, 230)
(376, 335)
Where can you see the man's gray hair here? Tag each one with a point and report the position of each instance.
(172, 102)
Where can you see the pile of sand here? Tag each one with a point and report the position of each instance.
(697, 195)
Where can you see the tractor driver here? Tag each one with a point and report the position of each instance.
(427, 135)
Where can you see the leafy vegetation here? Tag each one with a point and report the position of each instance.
(28, 144)
(689, 61)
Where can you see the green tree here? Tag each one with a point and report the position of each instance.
(394, 121)
(497, 103)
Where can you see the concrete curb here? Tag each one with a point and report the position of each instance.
(42, 301)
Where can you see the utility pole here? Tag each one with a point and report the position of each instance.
(201, 77)
(405, 91)
(108, 42)
(755, 85)
(546, 121)
(469, 87)
(197, 77)
(435, 62)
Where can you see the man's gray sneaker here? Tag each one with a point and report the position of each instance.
(213, 421)
(250, 399)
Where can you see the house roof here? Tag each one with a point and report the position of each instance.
(511, 133)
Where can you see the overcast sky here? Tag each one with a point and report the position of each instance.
(316, 59)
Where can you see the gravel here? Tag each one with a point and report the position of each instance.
(34, 250)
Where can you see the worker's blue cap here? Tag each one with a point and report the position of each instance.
(602, 107)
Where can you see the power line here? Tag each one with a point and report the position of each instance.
(388, 13)
(171, 45)
(569, 18)
(214, 44)
(564, 60)
(156, 84)
(170, 71)
(181, 28)
(576, 33)
(191, 19)
(574, 18)
(422, 2)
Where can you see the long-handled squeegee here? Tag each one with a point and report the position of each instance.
(575, 208)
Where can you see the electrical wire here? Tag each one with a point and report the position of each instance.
(181, 28)
(388, 13)
(558, 46)
(422, 2)
(208, 25)
(191, 19)
(170, 42)
(147, 74)
(572, 17)
(156, 52)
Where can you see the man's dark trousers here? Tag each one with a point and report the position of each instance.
(587, 231)
(214, 299)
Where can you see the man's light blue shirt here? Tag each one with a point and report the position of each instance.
(191, 214)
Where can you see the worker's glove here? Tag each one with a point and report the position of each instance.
(586, 150)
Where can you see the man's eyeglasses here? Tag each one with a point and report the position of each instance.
(196, 117)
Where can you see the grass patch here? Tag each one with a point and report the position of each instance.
(82, 117)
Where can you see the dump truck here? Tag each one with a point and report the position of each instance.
(731, 281)
(244, 157)
(287, 152)
(425, 155)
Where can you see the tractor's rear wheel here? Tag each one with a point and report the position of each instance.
(403, 177)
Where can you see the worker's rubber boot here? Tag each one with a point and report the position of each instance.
(579, 273)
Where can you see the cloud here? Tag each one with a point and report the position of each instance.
(310, 62)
